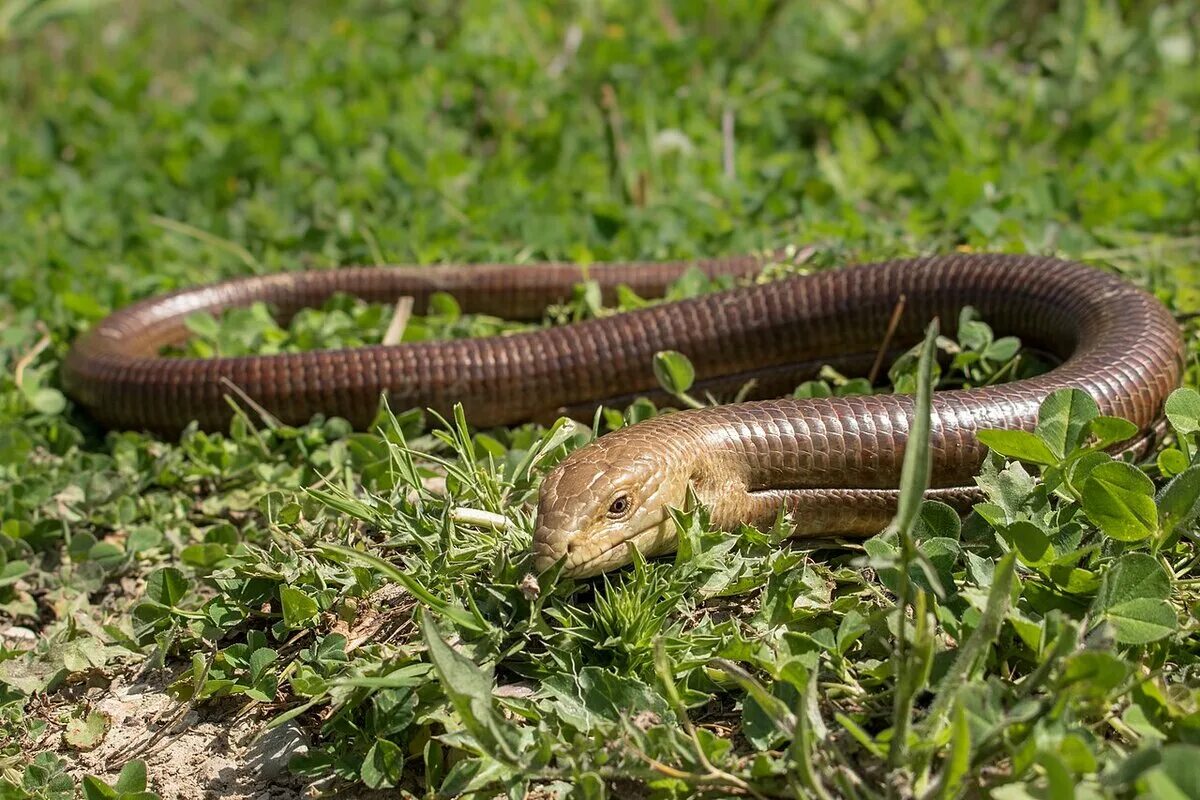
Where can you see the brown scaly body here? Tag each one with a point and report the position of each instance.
(834, 462)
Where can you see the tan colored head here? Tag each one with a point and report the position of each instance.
(605, 497)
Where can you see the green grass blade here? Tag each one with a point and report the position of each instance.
(451, 611)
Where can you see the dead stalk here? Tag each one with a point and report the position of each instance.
(893, 323)
(395, 329)
(24, 361)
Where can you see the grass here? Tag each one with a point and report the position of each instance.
(1044, 647)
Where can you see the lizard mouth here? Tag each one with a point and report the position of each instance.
(615, 554)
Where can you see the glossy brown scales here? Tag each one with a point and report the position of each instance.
(834, 462)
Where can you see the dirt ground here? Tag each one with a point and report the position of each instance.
(217, 751)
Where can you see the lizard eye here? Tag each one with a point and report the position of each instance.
(619, 506)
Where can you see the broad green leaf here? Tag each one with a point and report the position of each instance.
(202, 324)
(1008, 486)
(1133, 766)
(1176, 776)
(443, 304)
(937, 520)
(298, 608)
(1179, 500)
(1060, 784)
(628, 299)
(203, 555)
(1063, 418)
(1133, 597)
(132, 777)
(435, 763)
(979, 570)
(260, 659)
(813, 389)
(1135, 717)
(1171, 462)
(472, 774)
(1021, 445)
(597, 700)
(84, 305)
(1134, 575)
(1108, 431)
(934, 564)
(47, 401)
(167, 586)
(331, 648)
(383, 765)
(1073, 580)
(973, 334)
(468, 686)
(149, 618)
(142, 538)
(14, 445)
(1003, 349)
(590, 786)
(88, 732)
(674, 371)
(12, 571)
(93, 789)
(1077, 753)
(1032, 543)
(1183, 411)
(1081, 468)
(1119, 499)
(852, 628)
(469, 689)
(305, 682)
(854, 387)
(200, 670)
(1142, 620)
(1031, 631)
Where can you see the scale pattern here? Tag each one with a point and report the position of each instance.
(825, 457)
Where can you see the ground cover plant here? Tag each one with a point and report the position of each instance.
(362, 601)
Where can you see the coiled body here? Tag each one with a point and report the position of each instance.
(837, 460)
